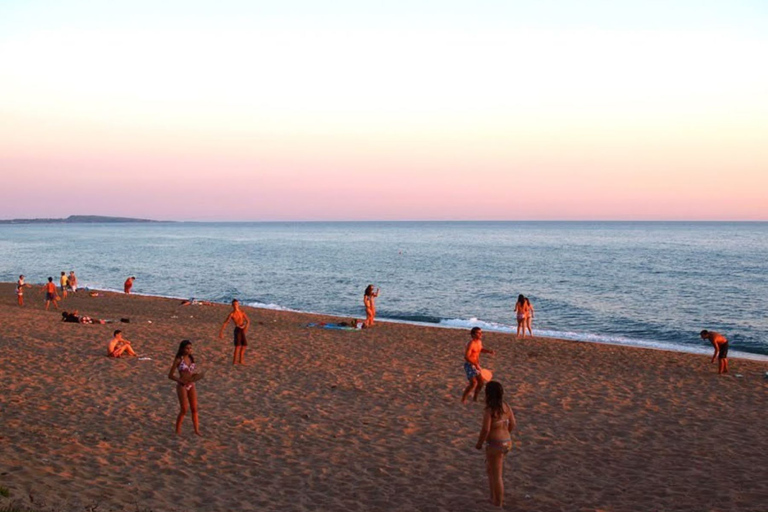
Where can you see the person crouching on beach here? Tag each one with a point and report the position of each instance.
(721, 349)
(369, 300)
(241, 321)
(119, 345)
(50, 294)
(498, 423)
(472, 364)
(128, 284)
(184, 362)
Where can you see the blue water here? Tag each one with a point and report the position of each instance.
(652, 284)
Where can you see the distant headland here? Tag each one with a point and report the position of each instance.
(77, 219)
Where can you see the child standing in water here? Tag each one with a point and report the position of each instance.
(498, 423)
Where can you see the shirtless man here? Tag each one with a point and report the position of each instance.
(119, 345)
(64, 283)
(128, 284)
(50, 294)
(472, 364)
(721, 349)
(241, 321)
(72, 281)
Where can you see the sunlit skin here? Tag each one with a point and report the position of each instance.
(72, 280)
(369, 301)
(472, 357)
(20, 285)
(720, 343)
(186, 391)
(128, 284)
(118, 346)
(64, 281)
(50, 294)
(528, 316)
(521, 312)
(241, 321)
(498, 423)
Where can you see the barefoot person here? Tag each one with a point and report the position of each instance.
(184, 362)
(498, 423)
(528, 317)
(20, 285)
(520, 314)
(369, 300)
(241, 321)
(721, 349)
(128, 284)
(50, 294)
(472, 364)
(119, 345)
(72, 281)
(64, 281)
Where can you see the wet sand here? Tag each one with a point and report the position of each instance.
(323, 419)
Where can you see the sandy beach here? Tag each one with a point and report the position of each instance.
(323, 419)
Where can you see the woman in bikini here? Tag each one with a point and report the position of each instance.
(521, 311)
(498, 422)
(369, 300)
(184, 362)
(528, 317)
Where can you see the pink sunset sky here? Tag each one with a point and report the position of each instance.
(264, 115)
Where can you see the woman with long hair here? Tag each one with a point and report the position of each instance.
(528, 316)
(184, 362)
(369, 300)
(520, 312)
(498, 422)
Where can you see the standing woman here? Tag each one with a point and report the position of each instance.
(185, 384)
(369, 300)
(498, 422)
(520, 311)
(528, 316)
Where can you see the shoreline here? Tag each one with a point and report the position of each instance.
(460, 324)
(322, 419)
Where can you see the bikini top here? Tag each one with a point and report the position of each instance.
(184, 367)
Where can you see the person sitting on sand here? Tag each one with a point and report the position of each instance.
(128, 284)
(721, 349)
(50, 294)
(521, 312)
(20, 285)
(241, 321)
(119, 345)
(498, 423)
(369, 301)
(472, 364)
(184, 362)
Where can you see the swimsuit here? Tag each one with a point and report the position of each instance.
(471, 371)
(240, 340)
(723, 354)
(184, 367)
(502, 446)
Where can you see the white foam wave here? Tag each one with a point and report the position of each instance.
(274, 307)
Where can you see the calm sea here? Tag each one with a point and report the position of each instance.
(653, 284)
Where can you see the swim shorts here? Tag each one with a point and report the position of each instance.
(470, 370)
(723, 354)
(240, 340)
(50, 296)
